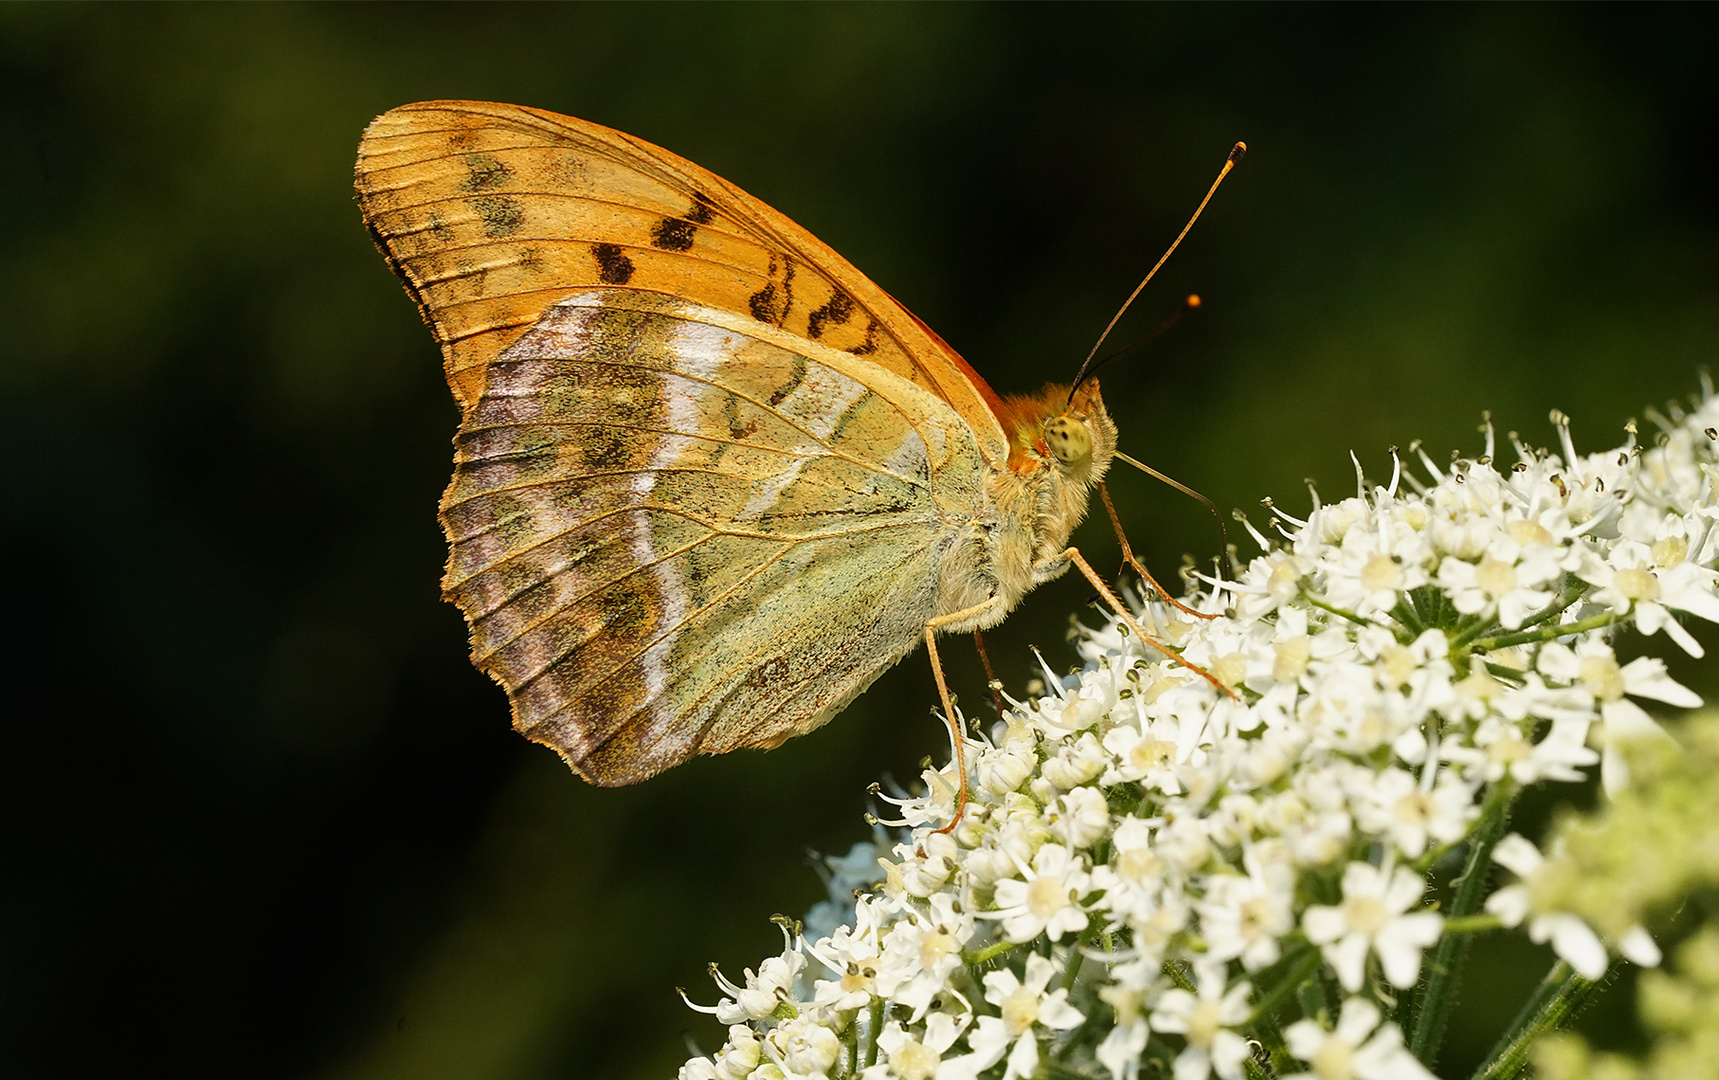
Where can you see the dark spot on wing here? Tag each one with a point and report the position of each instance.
(849, 413)
(484, 171)
(603, 447)
(769, 304)
(838, 309)
(501, 214)
(440, 229)
(529, 259)
(795, 378)
(629, 607)
(763, 303)
(702, 211)
(673, 234)
(737, 428)
(613, 267)
(869, 345)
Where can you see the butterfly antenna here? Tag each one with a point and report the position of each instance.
(1192, 302)
(1086, 366)
(1223, 533)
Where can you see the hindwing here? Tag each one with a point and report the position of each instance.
(677, 530)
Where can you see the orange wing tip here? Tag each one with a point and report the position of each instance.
(1237, 152)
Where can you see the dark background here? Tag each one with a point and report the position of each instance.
(261, 818)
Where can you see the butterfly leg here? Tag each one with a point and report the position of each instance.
(955, 733)
(1073, 555)
(990, 676)
(1128, 558)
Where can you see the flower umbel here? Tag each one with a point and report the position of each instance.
(1152, 873)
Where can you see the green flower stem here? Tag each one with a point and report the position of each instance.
(1178, 974)
(1553, 1003)
(1277, 1056)
(1469, 633)
(1408, 618)
(1558, 607)
(1076, 956)
(1446, 965)
(1339, 612)
(874, 1016)
(990, 953)
(1472, 924)
(1547, 633)
(1305, 965)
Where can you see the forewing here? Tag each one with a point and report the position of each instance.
(677, 530)
(491, 213)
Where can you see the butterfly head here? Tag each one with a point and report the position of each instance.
(1075, 436)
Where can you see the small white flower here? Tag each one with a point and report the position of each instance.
(1246, 916)
(1136, 982)
(1394, 804)
(1347, 1053)
(1572, 939)
(1595, 666)
(911, 1057)
(803, 1047)
(1204, 1020)
(1047, 902)
(1025, 1007)
(1080, 818)
(1076, 762)
(921, 951)
(1374, 918)
(741, 1055)
(922, 875)
(773, 984)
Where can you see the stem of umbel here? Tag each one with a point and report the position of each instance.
(1156, 878)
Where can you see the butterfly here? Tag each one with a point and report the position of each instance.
(710, 481)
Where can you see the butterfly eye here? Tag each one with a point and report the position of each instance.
(1068, 439)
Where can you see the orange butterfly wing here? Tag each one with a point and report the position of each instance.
(490, 213)
(706, 470)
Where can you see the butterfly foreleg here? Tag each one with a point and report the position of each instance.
(1128, 558)
(956, 736)
(1074, 556)
(991, 680)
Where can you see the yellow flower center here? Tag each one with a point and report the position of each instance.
(1670, 551)
(1414, 809)
(1381, 572)
(1046, 896)
(1636, 584)
(1203, 1025)
(1366, 913)
(913, 1060)
(1602, 676)
(1020, 1009)
(1292, 657)
(1334, 1061)
(1525, 532)
(1283, 580)
(1138, 865)
(1398, 663)
(934, 948)
(1231, 669)
(1509, 750)
(1495, 577)
(1148, 754)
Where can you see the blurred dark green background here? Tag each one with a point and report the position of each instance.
(261, 816)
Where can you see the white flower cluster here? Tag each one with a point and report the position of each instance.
(1151, 871)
